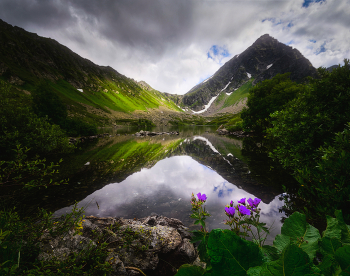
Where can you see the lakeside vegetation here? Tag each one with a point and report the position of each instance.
(308, 132)
(307, 126)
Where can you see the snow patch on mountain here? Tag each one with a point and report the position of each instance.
(206, 106)
(249, 75)
(226, 86)
(269, 66)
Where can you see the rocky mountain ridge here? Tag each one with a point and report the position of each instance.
(264, 59)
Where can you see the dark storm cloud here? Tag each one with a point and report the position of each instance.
(152, 25)
(24, 13)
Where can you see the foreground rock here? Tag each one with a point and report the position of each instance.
(156, 245)
(150, 133)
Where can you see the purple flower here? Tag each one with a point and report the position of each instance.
(231, 203)
(202, 197)
(254, 203)
(244, 211)
(250, 202)
(230, 211)
(242, 201)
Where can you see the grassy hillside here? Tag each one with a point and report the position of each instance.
(26, 60)
(242, 92)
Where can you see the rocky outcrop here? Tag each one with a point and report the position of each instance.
(151, 133)
(239, 134)
(82, 139)
(156, 245)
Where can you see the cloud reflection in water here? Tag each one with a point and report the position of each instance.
(166, 188)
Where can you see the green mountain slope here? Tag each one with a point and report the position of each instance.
(27, 59)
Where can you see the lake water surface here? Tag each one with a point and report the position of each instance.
(134, 177)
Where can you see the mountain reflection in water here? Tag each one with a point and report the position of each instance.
(164, 187)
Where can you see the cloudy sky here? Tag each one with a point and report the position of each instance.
(175, 44)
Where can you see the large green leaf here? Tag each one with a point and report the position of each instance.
(295, 229)
(329, 246)
(271, 253)
(329, 266)
(293, 262)
(333, 229)
(345, 229)
(254, 271)
(342, 255)
(190, 270)
(232, 255)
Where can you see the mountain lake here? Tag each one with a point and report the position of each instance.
(122, 175)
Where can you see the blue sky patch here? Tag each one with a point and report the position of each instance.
(273, 20)
(290, 42)
(322, 49)
(217, 53)
(308, 2)
(312, 40)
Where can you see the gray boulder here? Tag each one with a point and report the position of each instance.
(155, 245)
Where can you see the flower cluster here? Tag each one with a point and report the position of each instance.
(240, 218)
(242, 215)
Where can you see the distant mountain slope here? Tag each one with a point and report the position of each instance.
(331, 68)
(26, 59)
(265, 58)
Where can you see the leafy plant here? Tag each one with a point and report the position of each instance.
(299, 250)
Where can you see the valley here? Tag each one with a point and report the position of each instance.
(102, 96)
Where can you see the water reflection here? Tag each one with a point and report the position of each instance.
(165, 189)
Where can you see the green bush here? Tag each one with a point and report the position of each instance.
(312, 119)
(20, 125)
(20, 235)
(75, 127)
(267, 97)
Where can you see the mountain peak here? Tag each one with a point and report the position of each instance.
(264, 59)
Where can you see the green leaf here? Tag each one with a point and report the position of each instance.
(270, 252)
(190, 270)
(198, 236)
(254, 271)
(231, 255)
(333, 229)
(342, 255)
(203, 253)
(202, 223)
(329, 246)
(281, 242)
(296, 228)
(329, 266)
(294, 261)
(345, 229)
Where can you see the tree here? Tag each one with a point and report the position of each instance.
(20, 125)
(312, 119)
(267, 97)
